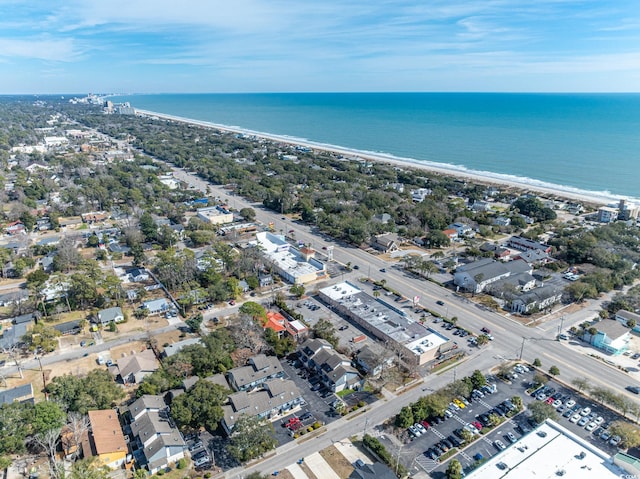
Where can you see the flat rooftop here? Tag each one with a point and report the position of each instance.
(385, 317)
(545, 453)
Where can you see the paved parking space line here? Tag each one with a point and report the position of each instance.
(320, 467)
(427, 464)
(437, 433)
(297, 472)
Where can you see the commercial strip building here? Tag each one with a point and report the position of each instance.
(297, 266)
(551, 451)
(416, 344)
(215, 215)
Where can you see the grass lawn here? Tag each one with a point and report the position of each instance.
(337, 461)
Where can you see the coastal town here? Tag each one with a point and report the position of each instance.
(184, 300)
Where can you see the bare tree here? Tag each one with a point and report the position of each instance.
(78, 425)
(49, 440)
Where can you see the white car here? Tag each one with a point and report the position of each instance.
(575, 418)
(557, 403)
(570, 403)
(591, 426)
(615, 440)
(583, 421)
(599, 420)
(420, 428)
(585, 412)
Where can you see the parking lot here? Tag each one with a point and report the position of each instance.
(412, 455)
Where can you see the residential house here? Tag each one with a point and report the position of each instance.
(462, 230)
(525, 244)
(138, 275)
(259, 369)
(15, 228)
(95, 217)
(157, 442)
(69, 221)
(480, 207)
(612, 337)
(536, 299)
(105, 440)
(22, 393)
(450, 233)
(534, 257)
(133, 369)
(265, 279)
(419, 195)
(377, 470)
(13, 297)
(275, 322)
(386, 243)
(156, 306)
(175, 348)
(502, 221)
(277, 396)
(476, 276)
(109, 315)
(68, 328)
(335, 370)
(498, 251)
(297, 330)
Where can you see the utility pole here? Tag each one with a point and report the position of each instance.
(522, 349)
(560, 326)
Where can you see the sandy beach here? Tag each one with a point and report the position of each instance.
(488, 178)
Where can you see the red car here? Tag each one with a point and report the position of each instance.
(232, 302)
(549, 400)
(425, 424)
(478, 425)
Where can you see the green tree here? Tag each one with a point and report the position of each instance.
(580, 383)
(454, 469)
(537, 363)
(251, 438)
(540, 411)
(404, 419)
(629, 433)
(477, 379)
(281, 346)
(89, 468)
(47, 415)
(93, 241)
(95, 391)
(14, 425)
(248, 214)
(253, 309)
(323, 329)
(554, 371)
(297, 290)
(540, 379)
(41, 336)
(148, 227)
(200, 406)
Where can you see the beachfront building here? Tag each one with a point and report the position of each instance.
(297, 266)
(215, 215)
(416, 344)
(553, 451)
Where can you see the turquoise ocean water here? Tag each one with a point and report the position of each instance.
(578, 142)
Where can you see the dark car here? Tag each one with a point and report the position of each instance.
(634, 389)
(454, 440)
(440, 302)
(355, 266)
(383, 270)
(316, 386)
(342, 328)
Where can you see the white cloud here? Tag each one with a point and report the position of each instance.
(49, 49)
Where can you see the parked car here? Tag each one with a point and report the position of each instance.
(511, 437)
(499, 445)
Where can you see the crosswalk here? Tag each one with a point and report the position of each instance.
(425, 463)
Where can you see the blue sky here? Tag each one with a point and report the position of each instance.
(63, 46)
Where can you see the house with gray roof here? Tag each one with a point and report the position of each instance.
(476, 276)
(156, 306)
(157, 442)
(536, 299)
(175, 348)
(259, 369)
(625, 316)
(335, 369)
(22, 393)
(133, 369)
(109, 315)
(13, 297)
(276, 397)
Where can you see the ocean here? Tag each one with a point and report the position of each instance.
(582, 143)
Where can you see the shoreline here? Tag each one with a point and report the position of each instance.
(547, 190)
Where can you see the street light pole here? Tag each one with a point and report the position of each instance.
(522, 348)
